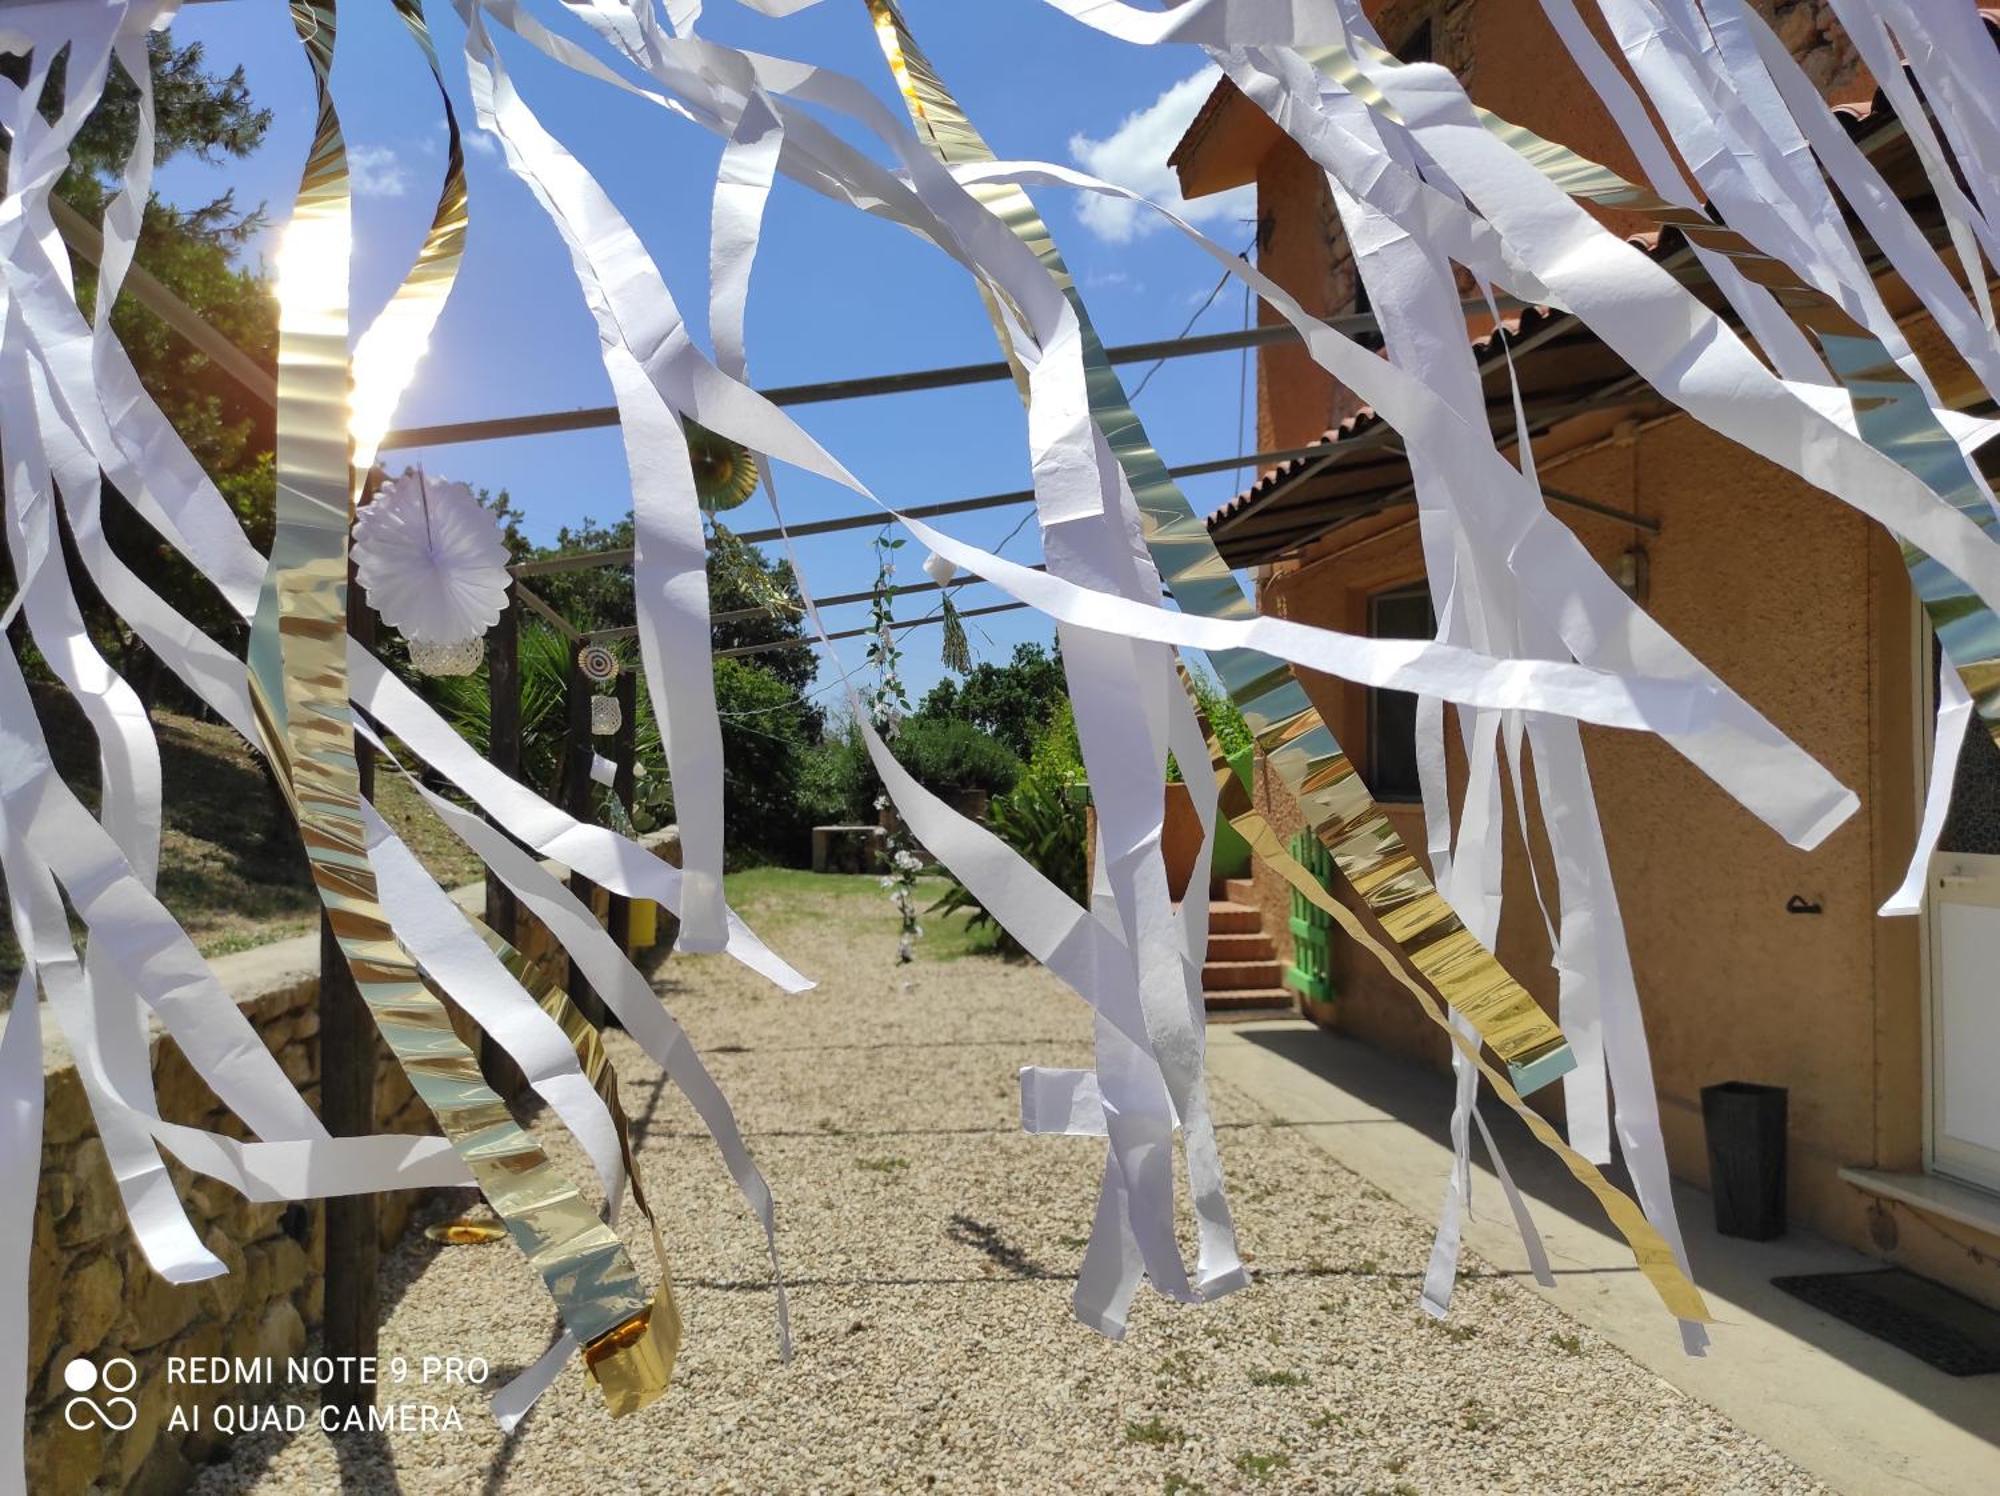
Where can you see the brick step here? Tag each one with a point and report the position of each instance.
(1248, 947)
(1250, 1002)
(1227, 918)
(1232, 976)
(1240, 890)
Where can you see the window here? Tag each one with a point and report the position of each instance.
(1391, 770)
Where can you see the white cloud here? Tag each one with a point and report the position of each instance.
(376, 171)
(480, 143)
(1106, 280)
(1135, 156)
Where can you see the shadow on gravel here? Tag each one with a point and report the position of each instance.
(984, 1238)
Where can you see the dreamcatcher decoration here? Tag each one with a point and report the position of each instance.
(434, 566)
(599, 664)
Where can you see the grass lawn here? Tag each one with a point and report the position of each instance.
(770, 898)
(233, 872)
(231, 866)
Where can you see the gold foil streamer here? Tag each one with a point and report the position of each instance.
(1296, 742)
(1654, 1257)
(298, 674)
(466, 1232)
(645, 1364)
(1891, 413)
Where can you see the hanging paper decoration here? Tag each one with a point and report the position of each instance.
(725, 474)
(1833, 394)
(432, 560)
(598, 662)
(606, 715)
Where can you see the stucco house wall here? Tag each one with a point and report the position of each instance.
(1799, 603)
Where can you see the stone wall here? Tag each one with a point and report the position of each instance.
(92, 1294)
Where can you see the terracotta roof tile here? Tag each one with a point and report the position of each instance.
(1857, 118)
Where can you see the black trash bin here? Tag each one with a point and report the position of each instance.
(1745, 1124)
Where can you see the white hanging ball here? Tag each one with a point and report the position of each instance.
(938, 569)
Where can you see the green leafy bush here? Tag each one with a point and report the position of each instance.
(1042, 818)
(1226, 722)
(837, 785)
(766, 737)
(948, 756)
(1013, 701)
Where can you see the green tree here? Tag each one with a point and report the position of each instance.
(769, 728)
(740, 579)
(193, 252)
(1011, 702)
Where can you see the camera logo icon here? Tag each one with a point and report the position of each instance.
(110, 1407)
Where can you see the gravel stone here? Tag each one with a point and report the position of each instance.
(930, 1249)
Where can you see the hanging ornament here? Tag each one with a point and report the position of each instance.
(725, 474)
(598, 663)
(606, 716)
(431, 559)
(957, 650)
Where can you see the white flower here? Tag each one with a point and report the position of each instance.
(909, 862)
(432, 560)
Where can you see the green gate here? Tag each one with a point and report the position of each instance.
(1310, 973)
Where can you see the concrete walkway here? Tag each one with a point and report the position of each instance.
(1860, 1414)
(931, 1249)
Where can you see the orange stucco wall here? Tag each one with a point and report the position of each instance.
(1512, 62)
(1794, 599)
(1804, 608)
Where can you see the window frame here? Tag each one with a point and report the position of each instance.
(1372, 695)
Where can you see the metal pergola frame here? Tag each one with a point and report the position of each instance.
(348, 1043)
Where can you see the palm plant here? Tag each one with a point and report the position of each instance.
(466, 701)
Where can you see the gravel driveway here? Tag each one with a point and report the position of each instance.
(931, 1249)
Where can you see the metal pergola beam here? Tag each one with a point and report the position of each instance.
(949, 377)
(622, 555)
(594, 417)
(914, 623)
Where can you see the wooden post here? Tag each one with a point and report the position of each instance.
(577, 801)
(347, 1062)
(625, 785)
(503, 751)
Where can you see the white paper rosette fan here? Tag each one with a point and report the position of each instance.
(434, 566)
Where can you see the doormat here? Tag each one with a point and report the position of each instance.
(1944, 1329)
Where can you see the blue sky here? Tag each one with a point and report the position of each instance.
(835, 294)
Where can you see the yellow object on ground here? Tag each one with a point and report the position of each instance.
(642, 928)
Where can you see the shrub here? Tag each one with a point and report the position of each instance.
(1223, 719)
(1042, 820)
(948, 756)
(836, 781)
(764, 746)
